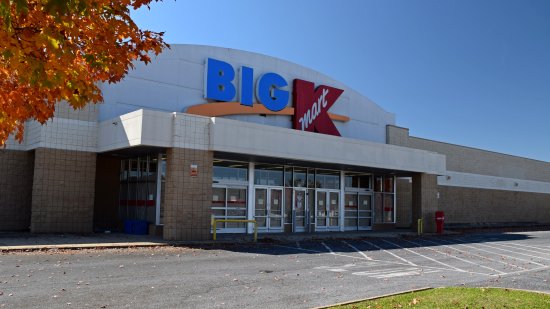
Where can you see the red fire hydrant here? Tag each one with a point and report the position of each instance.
(439, 221)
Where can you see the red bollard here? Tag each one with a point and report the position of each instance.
(439, 221)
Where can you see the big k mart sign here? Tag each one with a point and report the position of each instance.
(236, 93)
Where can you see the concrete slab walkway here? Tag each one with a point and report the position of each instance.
(29, 241)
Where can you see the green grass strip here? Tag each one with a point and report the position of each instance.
(457, 297)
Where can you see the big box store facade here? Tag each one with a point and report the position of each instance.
(206, 132)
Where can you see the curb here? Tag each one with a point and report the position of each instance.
(423, 289)
(373, 297)
(81, 246)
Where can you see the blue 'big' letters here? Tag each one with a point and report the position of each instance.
(219, 86)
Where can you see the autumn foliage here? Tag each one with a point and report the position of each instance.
(60, 50)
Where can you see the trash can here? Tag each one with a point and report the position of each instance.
(439, 221)
(136, 227)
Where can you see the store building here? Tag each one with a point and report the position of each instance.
(207, 132)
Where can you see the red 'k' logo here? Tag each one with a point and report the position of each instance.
(312, 105)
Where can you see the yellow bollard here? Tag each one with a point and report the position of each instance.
(215, 221)
(420, 226)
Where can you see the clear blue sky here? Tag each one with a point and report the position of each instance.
(468, 72)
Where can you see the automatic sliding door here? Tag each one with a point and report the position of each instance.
(275, 209)
(321, 209)
(350, 211)
(260, 212)
(365, 211)
(300, 219)
(333, 208)
(327, 209)
(269, 209)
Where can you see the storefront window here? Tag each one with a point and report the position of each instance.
(327, 179)
(358, 181)
(229, 203)
(310, 178)
(288, 176)
(384, 200)
(378, 182)
(268, 175)
(138, 188)
(300, 177)
(388, 184)
(229, 171)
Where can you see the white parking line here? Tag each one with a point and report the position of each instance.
(317, 251)
(499, 253)
(328, 248)
(358, 251)
(532, 246)
(396, 272)
(520, 248)
(456, 257)
(427, 257)
(391, 253)
(526, 271)
(532, 256)
(482, 256)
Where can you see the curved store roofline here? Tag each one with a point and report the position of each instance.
(292, 63)
(175, 81)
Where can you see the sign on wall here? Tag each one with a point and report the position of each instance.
(236, 91)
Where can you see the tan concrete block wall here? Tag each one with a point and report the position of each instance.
(480, 207)
(403, 202)
(424, 200)
(16, 175)
(63, 191)
(188, 199)
(476, 161)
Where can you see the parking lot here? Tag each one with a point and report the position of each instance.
(298, 274)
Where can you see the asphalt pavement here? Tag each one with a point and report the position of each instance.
(283, 274)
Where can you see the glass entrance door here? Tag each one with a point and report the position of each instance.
(358, 211)
(365, 212)
(300, 211)
(269, 209)
(327, 209)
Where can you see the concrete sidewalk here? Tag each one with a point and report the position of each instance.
(29, 241)
(32, 242)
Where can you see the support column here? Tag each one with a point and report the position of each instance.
(188, 197)
(16, 173)
(63, 191)
(424, 200)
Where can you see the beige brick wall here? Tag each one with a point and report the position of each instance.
(476, 161)
(424, 200)
(403, 202)
(63, 191)
(16, 170)
(187, 198)
(479, 207)
(469, 207)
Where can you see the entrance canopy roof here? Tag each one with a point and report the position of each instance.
(244, 140)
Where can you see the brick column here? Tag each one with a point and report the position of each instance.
(16, 168)
(424, 200)
(63, 191)
(187, 198)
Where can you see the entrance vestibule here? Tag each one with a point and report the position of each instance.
(298, 199)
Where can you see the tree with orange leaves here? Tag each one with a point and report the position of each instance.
(59, 50)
